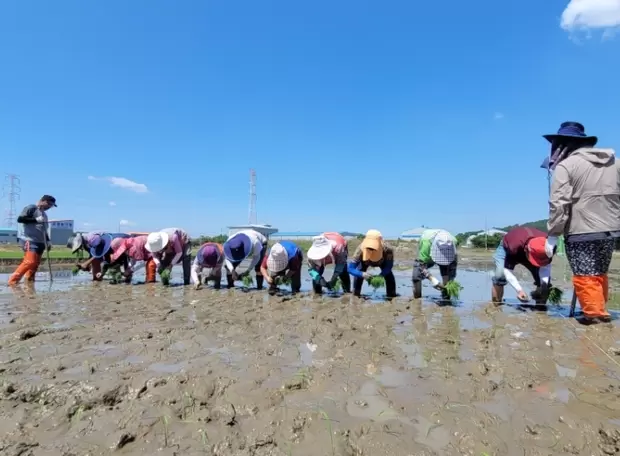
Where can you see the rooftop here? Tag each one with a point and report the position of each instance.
(7, 229)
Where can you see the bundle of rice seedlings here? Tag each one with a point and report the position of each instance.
(165, 277)
(75, 270)
(376, 282)
(453, 289)
(337, 286)
(555, 296)
(283, 280)
(247, 281)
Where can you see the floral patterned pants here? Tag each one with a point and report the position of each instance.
(589, 261)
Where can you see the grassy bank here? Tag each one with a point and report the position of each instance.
(15, 252)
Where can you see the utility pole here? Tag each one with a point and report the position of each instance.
(11, 190)
(252, 205)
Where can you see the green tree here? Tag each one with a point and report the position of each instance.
(220, 239)
(491, 242)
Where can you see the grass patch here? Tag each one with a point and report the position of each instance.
(453, 289)
(376, 282)
(16, 253)
(555, 296)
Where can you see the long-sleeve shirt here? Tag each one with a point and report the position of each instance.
(386, 263)
(258, 242)
(178, 238)
(338, 257)
(32, 230)
(134, 248)
(197, 266)
(295, 259)
(514, 244)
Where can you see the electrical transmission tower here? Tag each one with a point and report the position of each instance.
(252, 208)
(11, 191)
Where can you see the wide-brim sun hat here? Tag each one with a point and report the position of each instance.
(443, 250)
(208, 255)
(536, 252)
(573, 131)
(102, 247)
(372, 246)
(277, 260)
(321, 248)
(238, 247)
(78, 242)
(156, 242)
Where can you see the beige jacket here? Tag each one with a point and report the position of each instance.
(585, 193)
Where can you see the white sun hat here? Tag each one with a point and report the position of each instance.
(156, 242)
(277, 260)
(321, 248)
(443, 250)
(77, 243)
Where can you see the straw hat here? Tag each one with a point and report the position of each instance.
(156, 242)
(277, 261)
(443, 250)
(321, 248)
(372, 246)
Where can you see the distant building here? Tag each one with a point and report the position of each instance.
(61, 231)
(265, 230)
(490, 232)
(8, 236)
(412, 235)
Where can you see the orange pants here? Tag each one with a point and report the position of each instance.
(151, 271)
(27, 268)
(593, 293)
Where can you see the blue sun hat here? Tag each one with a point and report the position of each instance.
(238, 247)
(571, 130)
(102, 247)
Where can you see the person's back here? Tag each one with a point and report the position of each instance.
(589, 181)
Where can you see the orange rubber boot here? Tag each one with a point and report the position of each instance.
(151, 271)
(591, 295)
(21, 270)
(34, 261)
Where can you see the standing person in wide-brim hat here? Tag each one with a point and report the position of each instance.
(584, 206)
(436, 247)
(373, 252)
(285, 260)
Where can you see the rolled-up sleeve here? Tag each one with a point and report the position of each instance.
(559, 201)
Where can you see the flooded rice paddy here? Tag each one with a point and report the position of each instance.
(93, 368)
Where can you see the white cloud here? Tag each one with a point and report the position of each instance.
(126, 223)
(591, 14)
(112, 203)
(498, 116)
(87, 224)
(122, 182)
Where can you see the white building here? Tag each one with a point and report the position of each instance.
(265, 230)
(8, 236)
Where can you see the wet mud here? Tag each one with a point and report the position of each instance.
(94, 369)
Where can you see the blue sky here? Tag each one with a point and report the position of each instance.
(355, 114)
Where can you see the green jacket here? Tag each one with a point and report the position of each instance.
(424, 247)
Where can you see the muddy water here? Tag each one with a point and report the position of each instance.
(95, 368)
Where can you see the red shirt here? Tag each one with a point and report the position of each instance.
(514, 243)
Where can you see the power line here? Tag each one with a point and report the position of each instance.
(252, 205)
(11, 190)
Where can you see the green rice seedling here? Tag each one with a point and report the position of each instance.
(165, 277)
(453, 289)
(247, 281)
(283, 280)
(337, 286)
(75, 270)
(376, 282)
(555, 296)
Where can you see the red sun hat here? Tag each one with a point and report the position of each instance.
(536, 253)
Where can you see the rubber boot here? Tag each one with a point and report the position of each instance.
(497, 294)
(259, 281)
(35, 261)
(591, 295)
(151, 271)
(21, 270)
(417, 289)
(230, 283)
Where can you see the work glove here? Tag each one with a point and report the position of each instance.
(40, 219)
(235, 275)
(436, 283)
(550, 244)
(324, 283)
(367, 275)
